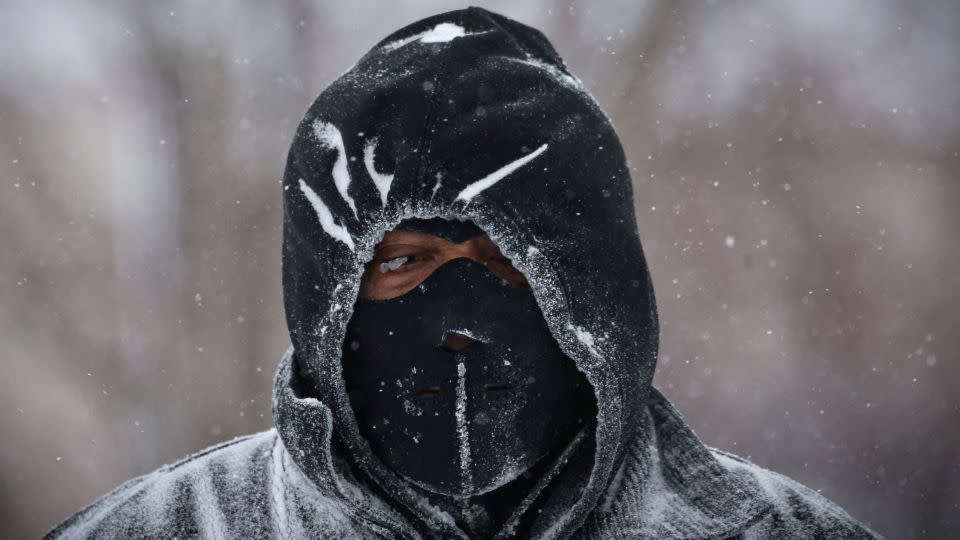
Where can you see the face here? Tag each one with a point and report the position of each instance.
(453, 375)
(404, 258)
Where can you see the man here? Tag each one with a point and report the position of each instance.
(473, 325)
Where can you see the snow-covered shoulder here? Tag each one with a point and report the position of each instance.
(244, 488)
(798, 511)
(205, 494)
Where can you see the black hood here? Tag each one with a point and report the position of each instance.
(465, 115)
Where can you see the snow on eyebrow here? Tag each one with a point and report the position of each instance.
(382, 181)
(440, 33)
(338, 232)
(330, 136)
(475, 188)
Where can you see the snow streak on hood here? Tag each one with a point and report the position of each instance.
(465, 115)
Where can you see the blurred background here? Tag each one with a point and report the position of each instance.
(796, 175)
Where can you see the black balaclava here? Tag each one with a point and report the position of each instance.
(460, 421)
(487, 126)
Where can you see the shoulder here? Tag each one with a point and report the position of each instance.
(798, 511)
(210, 492)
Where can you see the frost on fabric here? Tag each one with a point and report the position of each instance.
(462, 432)
(467, 332)
(666, 512)
(440, 33)
(586, 338)
(436, 186)
(558, 75)
(382, 181)
(310, 512)
(338, 232)
(278, 493)
(330, 136)
(213, 523)
(511, 471)
(785, 492)
(614, 488)
(412, 409)
(475, 188)
(567, 80)
(437, 514)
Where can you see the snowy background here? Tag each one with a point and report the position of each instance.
(796, 169)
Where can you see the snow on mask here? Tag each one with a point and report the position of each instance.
(458, 385)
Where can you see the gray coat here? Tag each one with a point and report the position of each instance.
(434, 121)
(669, 486)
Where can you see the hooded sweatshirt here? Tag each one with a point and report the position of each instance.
(465, 115)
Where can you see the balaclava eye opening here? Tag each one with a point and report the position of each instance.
(458, 385)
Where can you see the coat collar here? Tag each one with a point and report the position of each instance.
(668, 486)
(671, 487)
(305, 426)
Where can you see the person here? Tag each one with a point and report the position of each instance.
(473, 326)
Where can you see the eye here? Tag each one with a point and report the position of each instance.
(391, 265)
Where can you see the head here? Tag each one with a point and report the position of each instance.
(485, 127)
(453, 375)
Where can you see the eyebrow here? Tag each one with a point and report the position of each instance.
(399, 234)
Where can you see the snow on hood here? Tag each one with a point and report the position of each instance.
(464, 115)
